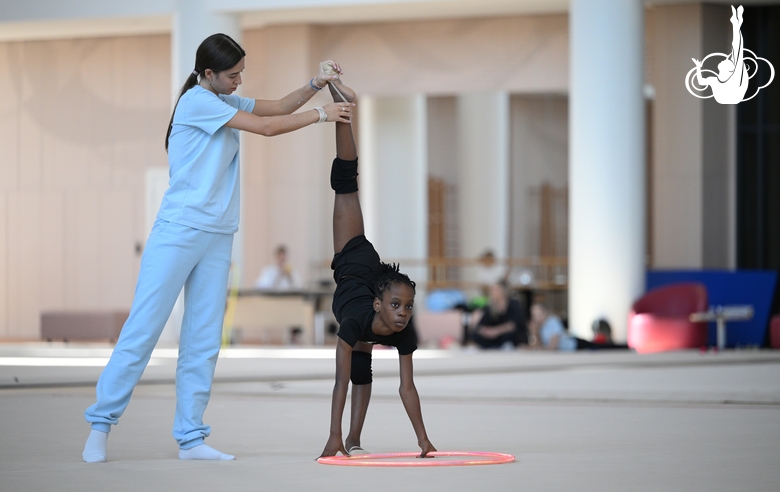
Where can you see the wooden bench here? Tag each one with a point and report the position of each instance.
(82, 325)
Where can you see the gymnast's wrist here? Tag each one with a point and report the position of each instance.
(314, 83)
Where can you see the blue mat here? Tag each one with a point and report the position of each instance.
(753, 287)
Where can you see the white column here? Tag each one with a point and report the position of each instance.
(194, 21)
(483, 174)
(393, 179)
(606, 240)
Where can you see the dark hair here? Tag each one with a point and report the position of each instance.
(504, 285)
(389, 276)
(217, 52)
(488, 253)
(601, 326)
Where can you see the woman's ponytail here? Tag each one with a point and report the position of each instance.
(217, 52)
(191, 82)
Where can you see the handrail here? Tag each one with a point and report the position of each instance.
(530, 273)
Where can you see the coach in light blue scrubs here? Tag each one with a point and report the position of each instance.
(191, 241)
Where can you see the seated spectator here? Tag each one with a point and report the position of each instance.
(602, 332)
(503, 323)
(278, 275)
(548, 333)
(490, 271)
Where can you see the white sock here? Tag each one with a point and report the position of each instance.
(95, 448)
(203, 452)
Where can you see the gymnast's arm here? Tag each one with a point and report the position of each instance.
(496, 331)
(411, 401)
(343, 370)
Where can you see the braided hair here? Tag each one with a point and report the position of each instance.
(388, 275)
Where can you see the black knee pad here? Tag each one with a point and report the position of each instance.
(361, 368)
(343, 176)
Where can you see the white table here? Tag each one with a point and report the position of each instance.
(720, 315)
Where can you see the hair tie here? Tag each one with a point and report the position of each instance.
(194, 72)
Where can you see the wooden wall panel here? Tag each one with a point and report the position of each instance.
(142, 116)
(9, 121)
(82, 250)
(9, 169)
(4, 260)
(676, 30)
(285, 197)
(24, 270)
(539, 156)
(116, 262)
(438, 57)
(33, 79)
(52, 260)
(255, 170)
(30, 143)
(77, 132)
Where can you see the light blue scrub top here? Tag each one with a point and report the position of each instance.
(553, 326)
(204, 190)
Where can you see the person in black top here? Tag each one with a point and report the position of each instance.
(373, 304)
(503, 323)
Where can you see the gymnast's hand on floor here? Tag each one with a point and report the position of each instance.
(426, 447)
(333, 446)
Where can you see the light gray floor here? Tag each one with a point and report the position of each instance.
(682, 421)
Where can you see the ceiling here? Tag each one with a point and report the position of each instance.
(42, 19)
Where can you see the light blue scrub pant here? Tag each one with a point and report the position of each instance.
(175, 256)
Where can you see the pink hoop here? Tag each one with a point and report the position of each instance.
(482, 458)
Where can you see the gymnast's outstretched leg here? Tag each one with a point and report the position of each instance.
(347, 224)
(347, 215)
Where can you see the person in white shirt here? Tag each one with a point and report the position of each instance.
(279, 275)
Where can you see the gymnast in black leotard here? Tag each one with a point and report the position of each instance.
(373, 303)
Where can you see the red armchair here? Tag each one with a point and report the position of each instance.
(774, 332)
(659, 320)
